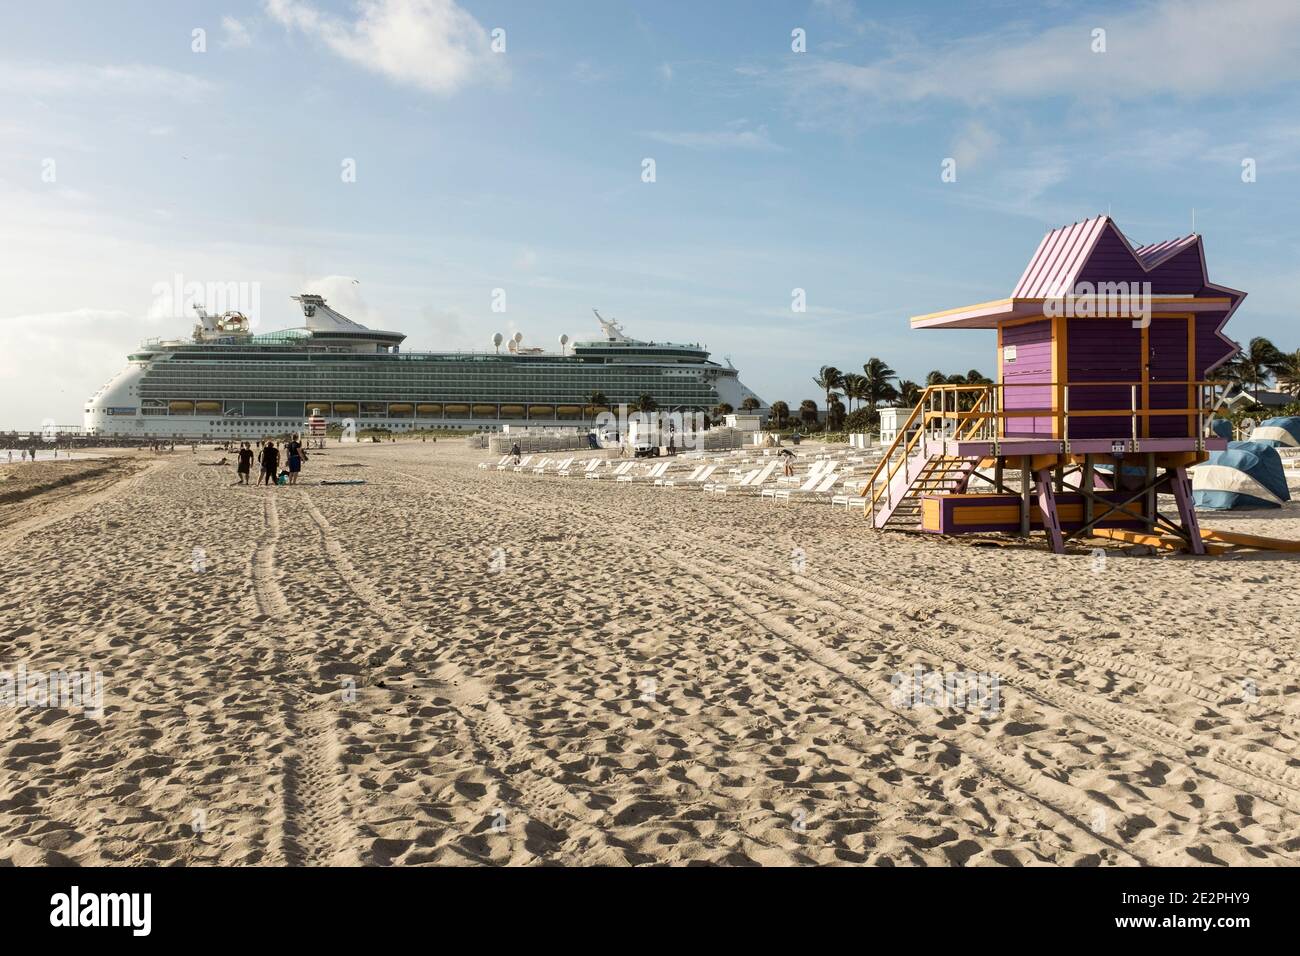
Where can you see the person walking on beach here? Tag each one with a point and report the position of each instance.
(514, 450)
(270, 459)
(297, 455)
(245, 462)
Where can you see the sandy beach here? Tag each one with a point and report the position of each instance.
(449, 665)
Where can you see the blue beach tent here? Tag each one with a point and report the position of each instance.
(1247, 475)
(1221, 427)
(1279, 431)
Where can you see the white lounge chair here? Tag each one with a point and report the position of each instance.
(720, 487)
(826, 483)
(698, 478)
(653, 474)
(499, 465)
(851, 499)
(620, 470)
(756, 485)
(691, 477)
(807, 481)
(559, 466)
(524, 462)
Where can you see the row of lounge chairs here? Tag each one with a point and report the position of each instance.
(834, 476)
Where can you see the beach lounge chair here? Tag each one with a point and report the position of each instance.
(499, 465)
(756, 485)
(654, 473)
(622, 469)
(720, 487)
(691, 477)
(808, 480)
(820, 487)
(699, 477)
(851, 498)
(524, 463)
(559, 466)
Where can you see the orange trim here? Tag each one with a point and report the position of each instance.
(1002, 423)
(1145, 357)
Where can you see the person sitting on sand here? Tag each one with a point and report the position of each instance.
(245, 462)
(297, 455)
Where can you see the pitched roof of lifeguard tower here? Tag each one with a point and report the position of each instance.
(1095, 251)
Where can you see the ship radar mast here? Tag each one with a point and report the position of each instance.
(612, 327)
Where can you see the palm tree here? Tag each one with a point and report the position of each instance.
(909, 393)
(829, 379)
(595, 400)
(751, 403)
(780, 411)
(644, 403)
(936, 378)
(808, 411)
(835, 414)
(722, 410)
(1288, 375)
(1256, 364)
(876, 386)
(966, 400)
(854, 386)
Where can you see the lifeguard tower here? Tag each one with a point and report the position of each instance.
(1102, 401)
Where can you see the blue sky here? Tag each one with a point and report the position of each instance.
(522, 169)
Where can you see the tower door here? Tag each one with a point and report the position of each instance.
(1169, 341)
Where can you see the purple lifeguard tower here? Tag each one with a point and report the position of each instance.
(1102, 401)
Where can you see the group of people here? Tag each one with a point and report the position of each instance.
(270, 457)
(24, 452)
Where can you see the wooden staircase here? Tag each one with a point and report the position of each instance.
(916, 464)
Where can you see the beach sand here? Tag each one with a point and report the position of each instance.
(450, 665)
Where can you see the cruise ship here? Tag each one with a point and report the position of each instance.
(226, 382)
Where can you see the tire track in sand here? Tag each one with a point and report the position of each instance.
(1063, 801)
(266, 586)
(1239, 768)
(1229, 764)
(314, 824)
(514, 754)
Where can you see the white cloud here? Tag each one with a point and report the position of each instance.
(432, 45)
(236, 33)
(1183, 49)
(35, 78)
(974, 143)
(737, 134)
(585, 72)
